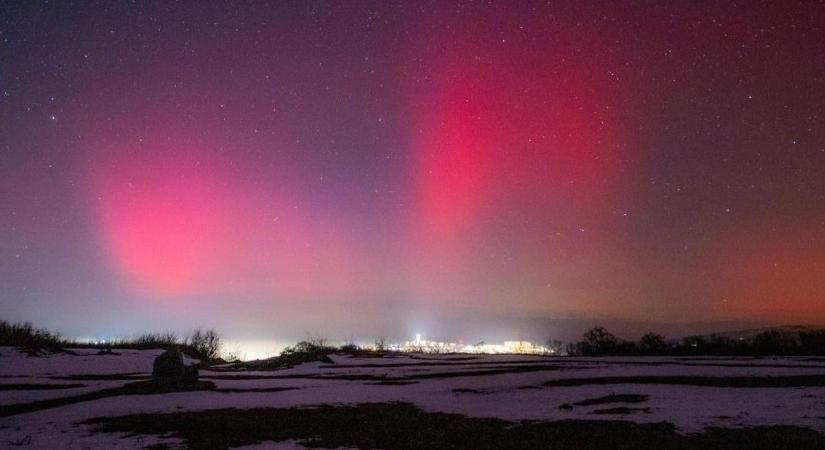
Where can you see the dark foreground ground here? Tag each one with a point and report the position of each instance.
(402, 426)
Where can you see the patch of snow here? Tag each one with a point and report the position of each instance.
(511, 396)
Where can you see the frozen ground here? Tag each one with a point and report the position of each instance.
(691, 393)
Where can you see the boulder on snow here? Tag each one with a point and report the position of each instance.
(169, 367)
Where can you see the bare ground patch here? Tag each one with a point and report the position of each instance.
(402, 426)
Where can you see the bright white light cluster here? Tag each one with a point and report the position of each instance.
(511, 347)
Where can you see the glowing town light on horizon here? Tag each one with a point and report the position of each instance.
(509, 347)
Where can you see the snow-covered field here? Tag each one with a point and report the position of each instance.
(505, 386)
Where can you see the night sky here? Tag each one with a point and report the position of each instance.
(465, 170)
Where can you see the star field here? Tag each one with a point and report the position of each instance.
(491, 167)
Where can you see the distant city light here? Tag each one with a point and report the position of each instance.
(427, 346)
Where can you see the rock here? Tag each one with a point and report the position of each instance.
(170, 368)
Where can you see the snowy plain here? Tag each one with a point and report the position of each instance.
(509, 387)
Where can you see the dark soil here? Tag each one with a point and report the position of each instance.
(402, 426)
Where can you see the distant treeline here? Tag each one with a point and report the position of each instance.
(201, 344)
(206, 344)
(600, 342)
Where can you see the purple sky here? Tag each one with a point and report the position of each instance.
(464, 170)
